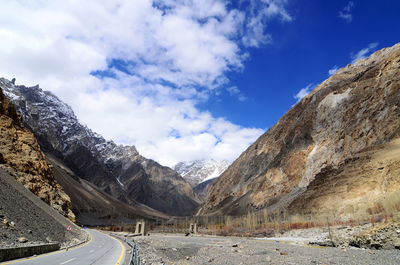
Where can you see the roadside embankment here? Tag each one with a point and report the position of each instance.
(22, 252)
(28, 225)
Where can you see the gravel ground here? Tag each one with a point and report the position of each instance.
(26, 220)
(199, 249)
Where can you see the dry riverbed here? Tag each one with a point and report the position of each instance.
(202, 249)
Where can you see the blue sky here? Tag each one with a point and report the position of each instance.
(301, 53)
(187, 79)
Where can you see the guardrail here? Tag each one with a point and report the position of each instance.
(135, 258)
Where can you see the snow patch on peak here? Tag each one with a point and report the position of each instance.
(198, 171)
(213, 175)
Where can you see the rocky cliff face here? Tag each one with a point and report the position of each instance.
(118, 170)
(336, 151)
(21, 156)
(198, 171)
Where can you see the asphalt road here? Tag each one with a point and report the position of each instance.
(101, 250)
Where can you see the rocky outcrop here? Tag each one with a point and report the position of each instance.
(117, 170)
(335, 152)
(382, 236)
(21, 156)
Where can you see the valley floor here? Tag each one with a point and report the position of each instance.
(201, 249)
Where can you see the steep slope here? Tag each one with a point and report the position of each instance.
(325, 155)
(198, 171)
(93, 206)
(202, 188)
(23, 214)
(21, 156)
(118, 170)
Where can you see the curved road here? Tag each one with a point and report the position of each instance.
(101, 250)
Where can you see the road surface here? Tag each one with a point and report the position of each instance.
(101, 250)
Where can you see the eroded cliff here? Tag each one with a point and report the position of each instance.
(21, 156)
(336, 151)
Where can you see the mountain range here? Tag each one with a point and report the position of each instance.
(336, 152)
(200, 174)
(198, 171)
(116, 170)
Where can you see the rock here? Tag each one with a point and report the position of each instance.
(187, 257)
(268, 259)
(22, 240)
(382, 236)
(21, 154)
(322, 155)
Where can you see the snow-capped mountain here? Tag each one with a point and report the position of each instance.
(118, 170)
(198, 171)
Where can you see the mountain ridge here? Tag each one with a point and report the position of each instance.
(22, 157)
(118, 170)
(198, 171)
(328, 130)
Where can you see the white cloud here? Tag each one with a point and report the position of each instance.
(345, 13)
(261, 11)
(242, 98)
(304, 92)
(363, 53)
(333, 70)
(155, 61)
(234, 91)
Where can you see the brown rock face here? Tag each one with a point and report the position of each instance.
(337, 151)
(20, 154)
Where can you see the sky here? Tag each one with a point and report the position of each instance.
(187, 79)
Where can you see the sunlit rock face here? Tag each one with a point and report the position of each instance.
(337, 151)
(21, 156)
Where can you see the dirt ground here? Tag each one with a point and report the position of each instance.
(199, 249)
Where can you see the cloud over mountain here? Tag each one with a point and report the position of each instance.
(135, 71)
